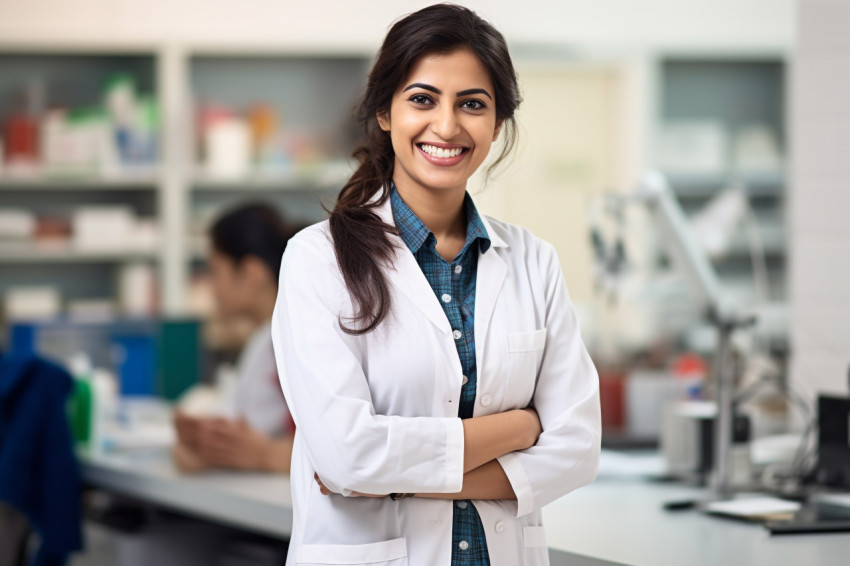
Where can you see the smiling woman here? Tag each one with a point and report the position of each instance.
(431, 356)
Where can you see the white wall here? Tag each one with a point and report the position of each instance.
(820, 204)
(725, 24)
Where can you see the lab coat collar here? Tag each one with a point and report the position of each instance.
(385, 213)
(410, 280)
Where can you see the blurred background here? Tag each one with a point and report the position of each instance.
(128, 126)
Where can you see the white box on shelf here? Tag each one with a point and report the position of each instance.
(693, 147)
(227, 145)
(103, 228)
(16, 224)
(137, 289)
(32, 302)
(756, 152)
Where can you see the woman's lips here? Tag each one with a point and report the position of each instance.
(444, 156)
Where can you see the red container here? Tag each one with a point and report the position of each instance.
(611, 398)
(20, 135)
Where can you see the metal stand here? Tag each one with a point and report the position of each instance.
(724, 380)
(656, 194)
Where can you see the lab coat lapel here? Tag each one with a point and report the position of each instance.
(407, 277)
(492, 271)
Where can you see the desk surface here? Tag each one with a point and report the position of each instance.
(623, 521)
(257, 502)
(616, 519)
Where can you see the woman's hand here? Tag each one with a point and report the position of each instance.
(187, 429)
(325, 491)
(232, 444)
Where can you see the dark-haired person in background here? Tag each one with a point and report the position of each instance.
(255, 429)
(431, 356)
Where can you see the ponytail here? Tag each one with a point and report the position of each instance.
(361, 239)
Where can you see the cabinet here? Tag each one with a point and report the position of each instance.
(720, 121)
(168, 197)
(65, 151)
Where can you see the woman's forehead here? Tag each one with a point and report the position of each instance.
(458, 70)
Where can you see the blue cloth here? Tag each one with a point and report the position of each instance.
(454, 285)
(39, 475)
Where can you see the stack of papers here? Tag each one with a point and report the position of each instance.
(759, 509)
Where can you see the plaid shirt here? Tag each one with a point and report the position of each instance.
(454, 285)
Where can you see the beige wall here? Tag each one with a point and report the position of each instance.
(726, 24)
(570, 150)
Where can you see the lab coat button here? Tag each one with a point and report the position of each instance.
(465, 380)
(486, 400)
(446, 298)
(461, 504)
(500, 527)
(463, 545)
(457, 334)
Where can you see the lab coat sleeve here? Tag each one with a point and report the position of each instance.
(566, 397)
(351, 448)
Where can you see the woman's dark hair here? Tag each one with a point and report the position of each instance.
(361, 240)
(253, 229)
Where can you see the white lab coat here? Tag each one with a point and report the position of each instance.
(377, 413)
(256, 395)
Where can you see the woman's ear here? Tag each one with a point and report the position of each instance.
(498, 129)
(384, 120)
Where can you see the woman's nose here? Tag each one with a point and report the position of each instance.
(445, 123)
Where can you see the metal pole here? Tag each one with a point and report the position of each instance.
(722, 479)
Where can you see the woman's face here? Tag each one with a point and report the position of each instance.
(442, 122)
(227, 284)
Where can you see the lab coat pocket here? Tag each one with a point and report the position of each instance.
(385, 553)
(524, 354)
(534, 542)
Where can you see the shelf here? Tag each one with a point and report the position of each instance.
(706, 186)
(130, 182)
(329, 175)
(67, 253)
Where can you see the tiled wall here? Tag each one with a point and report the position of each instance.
(820, 199)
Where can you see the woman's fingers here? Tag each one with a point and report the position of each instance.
(322, 488)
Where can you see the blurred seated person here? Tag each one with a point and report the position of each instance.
(251, 428)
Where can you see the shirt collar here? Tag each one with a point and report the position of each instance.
(414, 233)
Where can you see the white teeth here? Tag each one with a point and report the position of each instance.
(440, 152)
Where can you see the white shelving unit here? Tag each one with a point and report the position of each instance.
(323, 87)
(732, 91)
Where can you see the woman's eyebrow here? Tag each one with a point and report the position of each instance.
(474, 91)
(435, 90)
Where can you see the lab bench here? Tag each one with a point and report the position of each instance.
(615, 521)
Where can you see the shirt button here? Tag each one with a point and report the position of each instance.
(461, 504)
(446, 298)
(463, 545)
(500, 527)
(457, 334)
(486, 400)
(465, 380)
(458, 268)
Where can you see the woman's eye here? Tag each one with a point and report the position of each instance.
(420, 99)
(473, 104)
